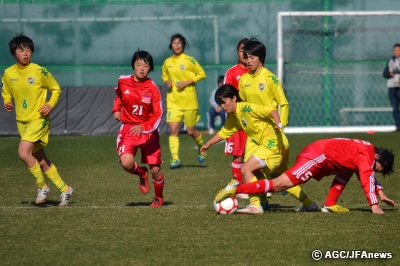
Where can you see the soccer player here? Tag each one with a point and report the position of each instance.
(338, 156)
(28, 83)
(180, 72)
(138, 106)
(235, 145)
(262, 87)
(262, 126)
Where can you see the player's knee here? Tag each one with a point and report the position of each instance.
(156, 172)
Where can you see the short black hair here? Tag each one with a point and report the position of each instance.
(20, 41)
(143, 55)
(386, 159)
(396, 45)
(220, 79)
(256, 48)
(226, 91)
(181, 38)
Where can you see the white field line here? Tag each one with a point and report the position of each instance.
(105, 207)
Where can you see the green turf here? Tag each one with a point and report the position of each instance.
(109, 223)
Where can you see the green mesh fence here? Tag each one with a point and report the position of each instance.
(90, 43)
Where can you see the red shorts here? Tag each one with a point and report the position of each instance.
(310, 163)
(236, 144)
(148, 144)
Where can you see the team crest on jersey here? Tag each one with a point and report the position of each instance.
(146, 97)
(31, 80)
(182, 67)
(244, 122)
(261, 86)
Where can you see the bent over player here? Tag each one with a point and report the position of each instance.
(138, 106)
(28, 83)
(328, 157)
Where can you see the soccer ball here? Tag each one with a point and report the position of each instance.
(227, 206)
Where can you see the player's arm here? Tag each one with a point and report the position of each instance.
(384, 198)
(198, 71)
(152, 124)
(280, 98)
(265, 112)
(6, 94)
(165, 75)
(228, 78)
(50, 82)
(241, 89)
(116, 110)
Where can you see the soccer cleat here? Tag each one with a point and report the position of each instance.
(312, 208)
(174, 163)
(228, 191)
(334, 208)
(42, 195)
(251, 209)
(144, 182)
(65, 197)
(201, 158)
(242, 196)
(157, 202)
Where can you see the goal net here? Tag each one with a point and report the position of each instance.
(331, 64)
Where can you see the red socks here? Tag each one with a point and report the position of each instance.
(237, 171)
(258, 187)
(337, 187)
(137, 170)
(158, 186)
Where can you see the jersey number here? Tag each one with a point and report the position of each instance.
(228, 147)
(306, 176)
(137, 109)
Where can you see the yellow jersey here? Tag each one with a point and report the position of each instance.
(256, 122)
(182, 68)
(28, 86)
(264, 88)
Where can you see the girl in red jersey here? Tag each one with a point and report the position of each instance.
(138, 106)
(235, 145)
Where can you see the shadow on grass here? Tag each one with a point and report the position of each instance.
(145, 204)
(281, 209)
(49, 203)
(192, 166)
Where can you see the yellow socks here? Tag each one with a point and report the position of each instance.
(174, 147)
(299, 195)
(254, 198)
(56, 179)
(199, 141)
(36, 171)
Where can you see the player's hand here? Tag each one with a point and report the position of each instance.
(136, 130)
(117, 116)
(45, 109)
(218, 109)
(168, 83)
(182, 84)
(278, 126)
(388, 201)
(376, 209)
(204, 148)
(9, 106)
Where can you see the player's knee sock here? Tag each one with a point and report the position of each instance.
(337, 187)
(174, 147)
(299, 195)
(199, 141)
(56, 179)
(254, 198)
(236, 171)
(259, 187)
(137, 170)
(37, 173)
(158, 186)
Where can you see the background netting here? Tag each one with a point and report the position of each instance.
(91, 43)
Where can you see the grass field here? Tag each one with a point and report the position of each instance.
(108, 221)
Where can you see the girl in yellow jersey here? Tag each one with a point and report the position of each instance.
(28, 83)
(261, 86)
(180, 72)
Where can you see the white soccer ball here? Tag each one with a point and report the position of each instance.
(227, 206)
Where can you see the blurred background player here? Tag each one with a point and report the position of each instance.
(328, 157)
(235, 145)
(138, 106)
(393, 84)
(215, 110)
(180, 72)
(262, 87)
(28, 83)
(261, 124)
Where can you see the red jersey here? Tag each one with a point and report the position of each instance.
(233, 75)
(352, 155)
(139, 103)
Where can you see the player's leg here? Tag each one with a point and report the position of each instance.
(338, 185)
(174, 118)
(190, 118)
(158, 183)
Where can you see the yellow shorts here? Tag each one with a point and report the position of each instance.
(189, 117)
(276, 159)
(35, 132)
